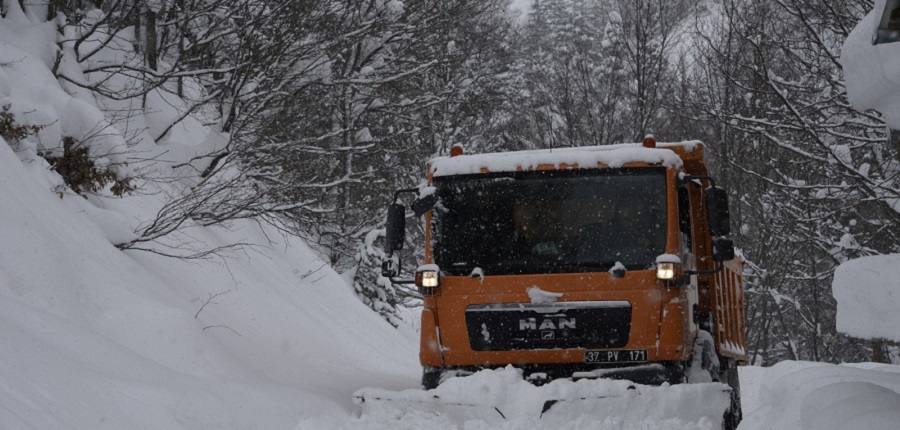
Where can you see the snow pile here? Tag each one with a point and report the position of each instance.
(501, 399)
(818, 396)
(872, 72)
(788, 396)
(613, 156)
(867, 291)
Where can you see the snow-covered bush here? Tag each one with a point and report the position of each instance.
(82, 173)
(12, 131)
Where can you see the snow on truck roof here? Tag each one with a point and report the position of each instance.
(669, 154)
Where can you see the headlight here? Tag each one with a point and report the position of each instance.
(665, 271)
(430, 279)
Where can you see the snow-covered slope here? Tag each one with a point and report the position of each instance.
(94, 337)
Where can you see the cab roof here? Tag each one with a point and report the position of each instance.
(688, 154)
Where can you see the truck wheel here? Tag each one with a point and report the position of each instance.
(704, 364)
(729, 375)
(675, 372)
(431, 377)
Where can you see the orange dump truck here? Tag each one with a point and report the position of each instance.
(605, 261)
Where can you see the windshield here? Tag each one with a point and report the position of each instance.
(550, 222)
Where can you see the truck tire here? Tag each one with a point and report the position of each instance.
(675, 372)
(729, 375)
(431, 377)
(704, 361)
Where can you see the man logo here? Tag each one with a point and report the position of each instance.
(546, 324)
(546, 335)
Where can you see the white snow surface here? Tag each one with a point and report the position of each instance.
(872, 72)
(539, 296)
(613, 156)
(819, 396)
(867, 291)
(668, 258)
(268, 337)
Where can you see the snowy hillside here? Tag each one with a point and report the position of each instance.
(99, 338)
(94, 337)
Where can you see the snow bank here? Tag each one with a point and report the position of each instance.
(867, 291)
(872, 72)
(818, 396)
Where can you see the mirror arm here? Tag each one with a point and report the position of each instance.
(688, 178)
(719, 266)
(405, 190)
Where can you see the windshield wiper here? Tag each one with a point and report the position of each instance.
(603, 265)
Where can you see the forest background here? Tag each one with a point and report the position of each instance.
(328, 106)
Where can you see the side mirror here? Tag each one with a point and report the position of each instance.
(717, 211)
(390, 269)
(424, 204)
(395, 229)
(723, 249)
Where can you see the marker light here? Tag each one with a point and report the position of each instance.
(457, 150)
(665, 271)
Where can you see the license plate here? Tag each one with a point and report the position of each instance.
(616, 356)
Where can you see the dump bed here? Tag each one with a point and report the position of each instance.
(728, 311)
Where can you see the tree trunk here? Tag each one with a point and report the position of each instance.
(894, 136)
(151, 50)
(879, 352)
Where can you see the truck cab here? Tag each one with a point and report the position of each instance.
(579, 262)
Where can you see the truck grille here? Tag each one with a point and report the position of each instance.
(521, 326)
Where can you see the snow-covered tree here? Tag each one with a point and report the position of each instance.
(815, 180)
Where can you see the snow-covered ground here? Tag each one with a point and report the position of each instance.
(268, 336)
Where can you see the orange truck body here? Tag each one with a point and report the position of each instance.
(663, 317)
